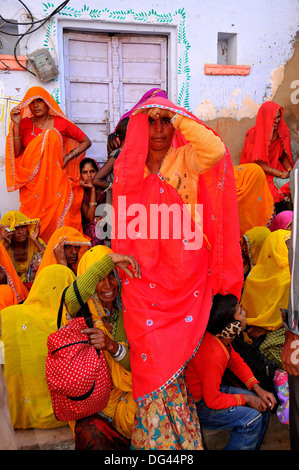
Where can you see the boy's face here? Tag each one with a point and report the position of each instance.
(240, 315)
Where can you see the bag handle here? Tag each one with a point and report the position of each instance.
(84, 307)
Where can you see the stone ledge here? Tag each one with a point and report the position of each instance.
(276, 438)
(45, 439)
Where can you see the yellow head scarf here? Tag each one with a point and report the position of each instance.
(14, 219)
(25, 330)
(266, 289)
(254, 239)
(121, 406)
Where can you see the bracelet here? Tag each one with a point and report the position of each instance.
(75, 151)
(120, 353)
(92, 204)
(289, 169)
(108, 187)
(173, 118)
(16, 136)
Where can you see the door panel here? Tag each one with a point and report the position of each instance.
(105, 76)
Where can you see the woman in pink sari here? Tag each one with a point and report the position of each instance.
(171, 162)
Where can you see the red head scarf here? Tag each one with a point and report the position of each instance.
(260, 135)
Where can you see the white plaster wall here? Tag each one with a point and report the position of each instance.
(265, 36)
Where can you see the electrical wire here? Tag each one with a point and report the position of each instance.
(30, 31)
(32, 22)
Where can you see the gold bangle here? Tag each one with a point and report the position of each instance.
(76, 152)
(280, 174)
(16, 136)
(92, 204)
(289, 169)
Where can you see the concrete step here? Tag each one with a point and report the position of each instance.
(276, 438)
(45, 439)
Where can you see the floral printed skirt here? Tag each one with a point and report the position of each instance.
(167, 421)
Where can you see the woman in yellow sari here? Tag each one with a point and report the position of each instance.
(23, 244)
(43, 152)
(25, 330)
(251, 244)
(99, 285)
(266, 292)
(255, 201)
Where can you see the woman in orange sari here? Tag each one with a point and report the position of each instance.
(268, 144)
(43, 152)
(66, 246)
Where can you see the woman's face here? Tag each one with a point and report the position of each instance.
(245, 255)
(88, 172)
(20, 234)
(107, 289)
(160, 133)
(71, 253)
(277, 120)
(39, 108)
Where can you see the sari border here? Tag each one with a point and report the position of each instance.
(10, 282)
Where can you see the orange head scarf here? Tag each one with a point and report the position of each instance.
(71, 236)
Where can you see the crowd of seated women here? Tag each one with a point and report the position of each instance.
(55, 238)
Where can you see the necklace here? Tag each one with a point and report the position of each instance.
(41, 126)
(163, 160)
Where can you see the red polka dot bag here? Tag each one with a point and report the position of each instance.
(77, 374)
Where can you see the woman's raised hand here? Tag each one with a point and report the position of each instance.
(6, 235)
(59, 252)
(124, 261)
(155, 113)
(15, 115)
(35, 234)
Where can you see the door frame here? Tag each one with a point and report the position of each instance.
(81, 26)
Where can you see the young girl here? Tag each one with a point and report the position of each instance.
(92, 198)
(103, 179)
(224, 407)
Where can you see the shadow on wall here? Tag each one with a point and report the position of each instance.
(233, 131)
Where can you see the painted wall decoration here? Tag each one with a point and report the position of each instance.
(151, 16)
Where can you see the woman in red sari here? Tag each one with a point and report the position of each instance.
(43, 152)
(268, 144)
(172, 161)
